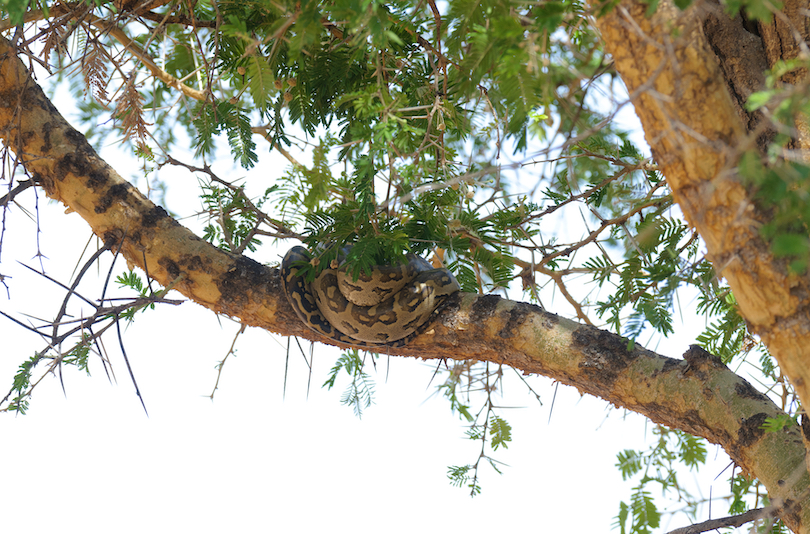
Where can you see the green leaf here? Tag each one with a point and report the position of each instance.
(500, 432)
(759, 99)
(359, 394)
(692, 450)
(260, 77)
(629, 463)
(776, 424)
(621, 517)
(790, 245)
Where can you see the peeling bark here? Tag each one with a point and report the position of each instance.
(742, 58)
(785, 37)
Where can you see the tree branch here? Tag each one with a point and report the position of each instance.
(724, 522)
(698, 152)
(698, 394)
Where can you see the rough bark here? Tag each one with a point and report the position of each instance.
(785, 37)
(688, 94)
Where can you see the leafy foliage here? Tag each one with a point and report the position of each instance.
(658, 466)
(234, 218)
(477, 133)
(459, 476)
(133, 281)
(359, 394)
(782, 187)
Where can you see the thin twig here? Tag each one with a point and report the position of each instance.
(221, 364)
(723, 522)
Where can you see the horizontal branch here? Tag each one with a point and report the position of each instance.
(724, 522)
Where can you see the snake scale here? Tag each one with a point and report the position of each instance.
(386, 308)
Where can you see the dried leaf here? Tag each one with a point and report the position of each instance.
(129, 110)
(54, 40)
(94, 69)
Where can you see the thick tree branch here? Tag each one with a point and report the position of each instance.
(697, 394)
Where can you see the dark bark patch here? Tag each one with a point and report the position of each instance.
(136, 237)
(447, 311)
(79, 164)
(550, 320)
(698, 358)
(77, 139)
(453, 302)
(171, 267)
(193, 263)
(750, 430)
(694, 420)
(671, 364)
(116, 192)
(63, 167)
(699, 363)
(747, 391)
(605, 355)
(245, 277)
(153, 216)
(46, 130)
(690, 421)
(43, 101)
(7, 99)
(743, 60)
(793, 510)
(517, 316)
(31, 96)
(113, 238)
(96, 181)
(27, 136)
(483, 308)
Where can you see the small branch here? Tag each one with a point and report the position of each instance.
(21, 186)
(262, 216)
(723, 522)
(178, 19)
(261, 130)
(119, 35)
(651, 201)
(147, 60)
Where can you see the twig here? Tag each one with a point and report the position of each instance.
(730, 521)
(129, 367)
(282, 230)
(21, 186)
(262, 130)
(221, 364)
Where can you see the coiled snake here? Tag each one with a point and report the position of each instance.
(387, 308)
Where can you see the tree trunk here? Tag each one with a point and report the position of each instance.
(689, 74)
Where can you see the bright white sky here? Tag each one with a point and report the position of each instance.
(91, 461)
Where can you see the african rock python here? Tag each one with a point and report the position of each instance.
(387, 308)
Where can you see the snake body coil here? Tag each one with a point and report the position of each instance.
(386, 308)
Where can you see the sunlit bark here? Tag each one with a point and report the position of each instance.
(689, 74)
